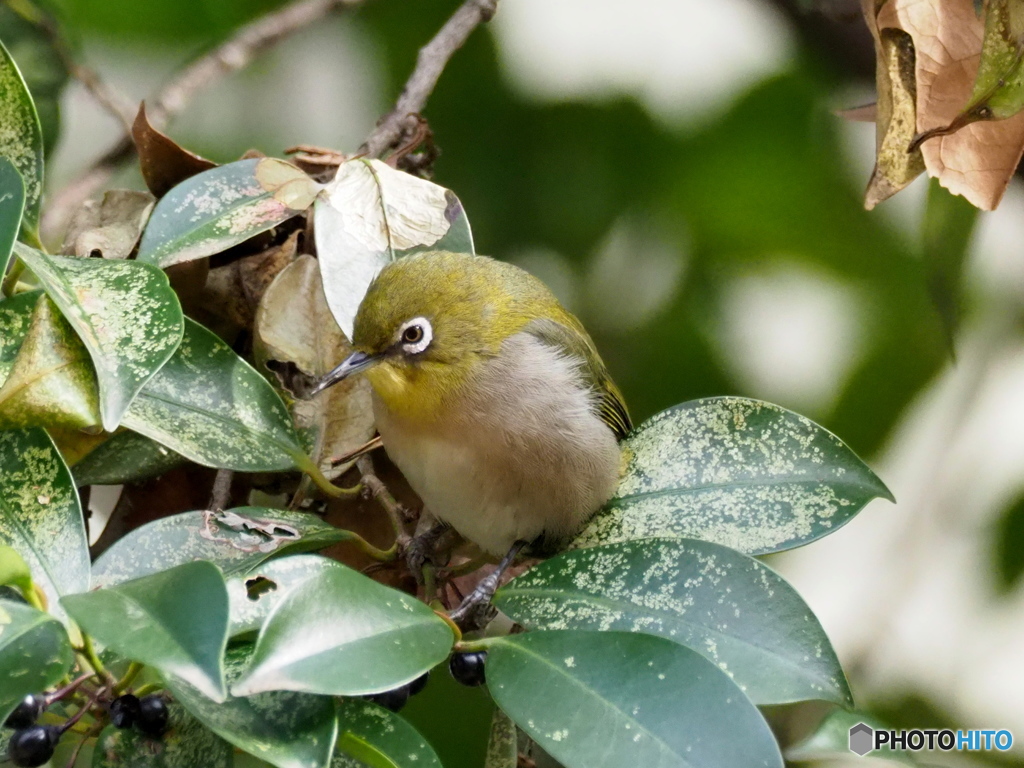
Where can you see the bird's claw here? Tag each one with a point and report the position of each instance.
(475, 611)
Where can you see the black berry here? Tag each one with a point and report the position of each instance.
(124, 711)
(152, 719)
(393, 700)
(34, 745)
(27, 712)
(418, 684)
(468, 668)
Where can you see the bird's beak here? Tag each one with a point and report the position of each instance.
(354, 363)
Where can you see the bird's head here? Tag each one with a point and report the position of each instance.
(428, 323)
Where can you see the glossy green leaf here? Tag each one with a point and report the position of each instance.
(126, 314)
(237, 540)
(727, 606)
(123, 458)
(210, 406)
(253, 595)
(743, 473)
(831, 741)
(288, 730)
(12, 205)
(503, 744)
(371, 214)
(15, 318)
(35, 653)
(21, 137)
(40, 515)
(187, 743)
(51, 382)
(344, 634)
(380, 738)
(216, 209)
(175, 621)
(596, 699)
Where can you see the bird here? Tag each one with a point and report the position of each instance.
(491, 399)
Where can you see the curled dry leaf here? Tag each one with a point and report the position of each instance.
(896, 110)
(52, 382)
(978, 160)
(297, 341)
(163, 162)
(109, 227)
(233, 292)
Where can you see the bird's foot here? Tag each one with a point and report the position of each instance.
(422, 550)
(475, 611)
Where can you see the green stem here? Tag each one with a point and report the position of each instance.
(129, 677)
(11, 281)
(145, 690)
(306, 464)
(89, 652)
(381, 555)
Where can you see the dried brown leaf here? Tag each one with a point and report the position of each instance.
(978, 160)
(896, 111)
(297, 341)
(163, 162)
(109, 227)
(233, 292)
(865, 113)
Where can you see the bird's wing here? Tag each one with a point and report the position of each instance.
(571, 339)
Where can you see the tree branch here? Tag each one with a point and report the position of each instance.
(230, 56)
(430, 63)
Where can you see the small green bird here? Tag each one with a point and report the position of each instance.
(489, 396)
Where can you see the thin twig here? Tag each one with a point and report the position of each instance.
(230, 56)
(430, 63)
(382, 495)
(111, 99)
(220, 496)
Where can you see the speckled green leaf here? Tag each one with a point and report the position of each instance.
(34, 653)
(125, 457)
(727, 606)
(254, 594)
(371, 214)
(380, 738)
(40, 515)
(503, 743)
(344, 634)
(210, 406)
(15, 318)
(52, 382)
(216, 209)
(831, 741)
(743, 473)
(237, 540)
(12, 204)
(176, 621)
(186, 744)
(21, 137)
(288, 730)
(126, 314)
(612, 699)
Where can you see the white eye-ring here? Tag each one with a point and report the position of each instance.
(416, 335)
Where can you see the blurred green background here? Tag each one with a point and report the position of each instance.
(673, 169)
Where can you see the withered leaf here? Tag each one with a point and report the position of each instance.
(978, 160)
(109, 227)
(296, 342)
(162, 161)
(234, 291)
(896, 110)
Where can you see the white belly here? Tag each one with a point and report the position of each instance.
(527, 456)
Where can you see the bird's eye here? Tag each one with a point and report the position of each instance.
(412, 335)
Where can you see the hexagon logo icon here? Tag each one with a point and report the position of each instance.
(862, 739)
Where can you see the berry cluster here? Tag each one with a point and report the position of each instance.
(148, 714)
(33, 744)
(396, 698)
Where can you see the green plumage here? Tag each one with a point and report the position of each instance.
(475, 303)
